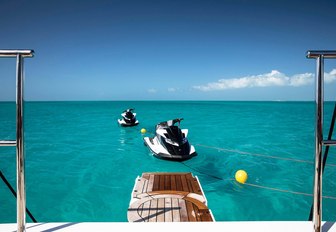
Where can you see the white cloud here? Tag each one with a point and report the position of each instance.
(274, 78)
(301, 79)
(152, 90)
(330, 77)
(172, 89)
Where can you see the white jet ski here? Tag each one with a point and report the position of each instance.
(128, 118)
(170, 142)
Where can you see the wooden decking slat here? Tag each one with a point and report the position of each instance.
(191, 212)
(183, 210)
(178, 183)
(205, 216)
(197, 213)
(173, 182)
(190, 187)
(150, 184)
(145, 176)
(195, 186)
(140, 209)
(138, 187)
(167, 180)
(168, 210)
(160, 215)
(175, 210)
(153, 210)
(184, 183)
(162, 184)
(144, 187)
(156, 183)
(145, 211)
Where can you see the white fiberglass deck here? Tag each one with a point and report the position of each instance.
(274, 226)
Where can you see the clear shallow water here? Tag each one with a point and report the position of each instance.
(81, 166)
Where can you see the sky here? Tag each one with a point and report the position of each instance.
(168, 50)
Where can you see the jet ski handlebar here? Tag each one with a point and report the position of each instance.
(177, 120)
(128, 110)
(171, 122)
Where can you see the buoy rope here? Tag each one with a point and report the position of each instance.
(260, 155)
(255, 185)
(286, 191)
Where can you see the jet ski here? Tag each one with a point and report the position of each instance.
(128, 118)
(170, 142)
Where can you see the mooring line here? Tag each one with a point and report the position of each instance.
(203, 173)
(260, 155)
(287, 191)
(257, 186)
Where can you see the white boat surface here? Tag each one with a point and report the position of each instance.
(241, 226)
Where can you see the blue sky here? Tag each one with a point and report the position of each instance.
(167, 50)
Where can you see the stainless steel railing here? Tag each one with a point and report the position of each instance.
(319, 142)
(19, 142)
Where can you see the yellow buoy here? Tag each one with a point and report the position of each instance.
(241, 176)
(143, 130)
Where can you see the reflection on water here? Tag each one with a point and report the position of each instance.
(127, 136)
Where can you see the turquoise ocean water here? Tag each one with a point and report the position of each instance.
(81, 166)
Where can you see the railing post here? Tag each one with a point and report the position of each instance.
(19, 142)
(20, 156)
(319, 100)
(319, 142)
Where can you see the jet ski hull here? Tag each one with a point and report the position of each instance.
(126, 124)
(161, 152)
